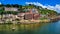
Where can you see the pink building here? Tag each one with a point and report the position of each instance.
(32, 14)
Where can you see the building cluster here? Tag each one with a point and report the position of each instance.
(29, 14)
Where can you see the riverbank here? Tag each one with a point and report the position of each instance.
(53, 19)
(32, 21)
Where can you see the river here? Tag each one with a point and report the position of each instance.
(44, 28)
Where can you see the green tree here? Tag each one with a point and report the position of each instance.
(7, 5)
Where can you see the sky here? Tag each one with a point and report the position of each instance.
(50, 4)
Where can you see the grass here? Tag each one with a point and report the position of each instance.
(43, 18)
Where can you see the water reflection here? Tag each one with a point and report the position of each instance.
(19, 27)
(43, 28)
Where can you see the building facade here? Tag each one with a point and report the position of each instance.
(10, 9)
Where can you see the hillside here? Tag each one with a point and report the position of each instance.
(21, 9)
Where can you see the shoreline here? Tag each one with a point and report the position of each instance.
(35, 21)
(40, 21)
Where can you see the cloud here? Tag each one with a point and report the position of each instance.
(56, 7)
(35, 3)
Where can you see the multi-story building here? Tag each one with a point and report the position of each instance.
(11, 9)
(21, 15)
(31, 14)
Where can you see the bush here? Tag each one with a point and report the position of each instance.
(8, 12)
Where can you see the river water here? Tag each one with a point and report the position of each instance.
(43, 28)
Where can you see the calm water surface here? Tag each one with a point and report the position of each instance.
(45, 28)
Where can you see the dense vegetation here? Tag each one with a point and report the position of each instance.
(7, 12)
(21, 8)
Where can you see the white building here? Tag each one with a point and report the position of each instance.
(10, 9)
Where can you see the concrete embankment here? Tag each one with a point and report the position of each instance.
(57, 18)
(34, 21)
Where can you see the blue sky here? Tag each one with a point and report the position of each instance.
(44, 2)
(50, 4)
